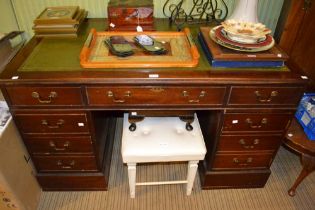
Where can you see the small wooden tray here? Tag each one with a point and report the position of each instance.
(182, 51)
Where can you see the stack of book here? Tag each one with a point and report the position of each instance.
(59, 22)
(221, 54)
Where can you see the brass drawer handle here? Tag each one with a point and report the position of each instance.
(64, 166)
(59, 124)
(254, 126)
(201, 95)
(51, 95)
(110, 94)
(261, 99)
(245, 163)
(247, 146)
(65, 146)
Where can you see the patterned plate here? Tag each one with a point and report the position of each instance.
(217, 36)
(222, 35)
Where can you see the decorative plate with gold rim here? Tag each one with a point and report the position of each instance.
(217, 36)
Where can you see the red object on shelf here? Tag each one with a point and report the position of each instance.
(127, 15)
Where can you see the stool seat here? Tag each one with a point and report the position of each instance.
(162, 139)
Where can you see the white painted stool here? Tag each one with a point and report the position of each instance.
(162, 139)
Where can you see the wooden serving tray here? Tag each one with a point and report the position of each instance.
(182, 51)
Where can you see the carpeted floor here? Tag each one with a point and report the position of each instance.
(285, 169)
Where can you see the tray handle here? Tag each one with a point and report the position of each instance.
(193, 47)
(87, 44)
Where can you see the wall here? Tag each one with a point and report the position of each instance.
(7, 19)
(27, 10)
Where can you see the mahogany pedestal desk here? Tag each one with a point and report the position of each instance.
(298, 142)
(66, 114)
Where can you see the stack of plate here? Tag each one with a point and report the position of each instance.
(243, 36)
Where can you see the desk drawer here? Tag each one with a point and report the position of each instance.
(65, 163)
(247, 143)
(45, 96)
(113, 96)
(52, 123)
(252, 95)
(256, 122)
(60, 145)
(242, 161)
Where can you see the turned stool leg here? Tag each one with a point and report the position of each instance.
(132, 179)
(308, 163)
(192, 169)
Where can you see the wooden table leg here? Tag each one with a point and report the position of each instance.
(308, 163)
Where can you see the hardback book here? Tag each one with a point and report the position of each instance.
(62, 29)
(57, 15)
(55, 35)
(219, 56)
(80, 16)
(56, 30)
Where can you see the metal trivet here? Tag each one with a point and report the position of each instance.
(202, 11)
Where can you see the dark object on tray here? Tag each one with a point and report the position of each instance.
(127, 15)
(219, 56)
(119, 46)
(150, 45)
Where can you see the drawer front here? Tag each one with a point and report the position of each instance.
(247, 143)
(60, 145)
(265, 96)
(52, 123)
(65, 163)
(242, 161)
(45, 96)
(113, 96)
(256, 122)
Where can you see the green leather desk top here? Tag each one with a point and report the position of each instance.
(57, 54)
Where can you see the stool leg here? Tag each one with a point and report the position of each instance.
(192, 169)
(132, 179)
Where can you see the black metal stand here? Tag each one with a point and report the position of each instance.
(202, 11)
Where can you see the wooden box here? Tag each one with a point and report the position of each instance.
(126, 15)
